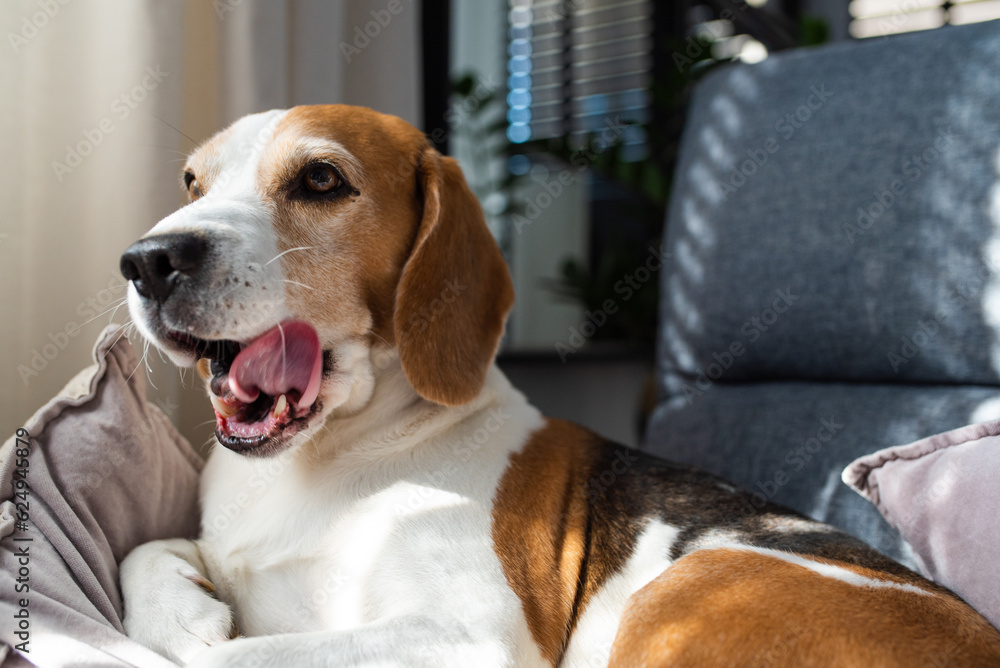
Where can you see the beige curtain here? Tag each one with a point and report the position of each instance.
(99, 102)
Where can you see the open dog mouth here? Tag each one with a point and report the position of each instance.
(264, 391)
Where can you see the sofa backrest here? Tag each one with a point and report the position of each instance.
(835, 238)
(857, 187)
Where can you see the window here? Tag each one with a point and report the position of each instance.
(877, 18)
(572, 64)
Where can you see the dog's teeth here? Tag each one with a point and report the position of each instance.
(223, 409)
(279, 406)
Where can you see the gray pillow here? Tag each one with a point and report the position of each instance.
(941, 494)
(106, 471)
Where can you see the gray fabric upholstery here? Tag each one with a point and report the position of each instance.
(776, 276)
(789, 441)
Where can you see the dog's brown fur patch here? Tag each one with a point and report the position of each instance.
(542, 532)
(728, 607)
(455, 291)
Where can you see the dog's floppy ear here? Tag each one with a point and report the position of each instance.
(454, 292)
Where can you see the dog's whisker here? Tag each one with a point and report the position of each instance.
(178, 131)
(120, 304)
(166, 148)
(149, 370)
(138, 364)
(120, 335)
(303, 285)
(112, 308)
(297, 248)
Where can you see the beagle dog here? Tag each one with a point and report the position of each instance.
(381, 496)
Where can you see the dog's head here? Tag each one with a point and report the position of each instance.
(314, 239)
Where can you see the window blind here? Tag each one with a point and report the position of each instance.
(575, 64)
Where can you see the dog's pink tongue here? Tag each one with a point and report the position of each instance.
(286, 358)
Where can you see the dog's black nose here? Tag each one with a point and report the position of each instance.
(155, 264)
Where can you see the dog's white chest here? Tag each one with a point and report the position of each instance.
(261, 550)
(294, 553)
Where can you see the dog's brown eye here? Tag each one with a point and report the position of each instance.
(322, 178)
(191, 183)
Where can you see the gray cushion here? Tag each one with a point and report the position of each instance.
(106, 472)
(776, 276)
(941, 494)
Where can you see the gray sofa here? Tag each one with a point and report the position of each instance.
(835, 281)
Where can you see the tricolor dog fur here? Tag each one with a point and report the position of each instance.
(380, 494)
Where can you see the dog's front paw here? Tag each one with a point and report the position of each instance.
(169, 604)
